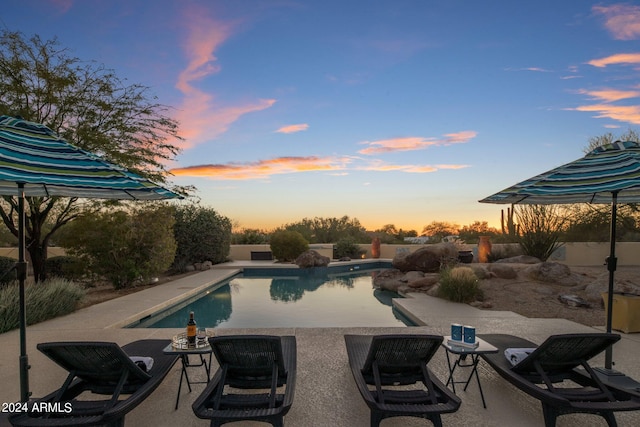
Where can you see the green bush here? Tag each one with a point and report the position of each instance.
(7, 275)
(288, 245)
(458, 284)
(123, 246)
(64, 266)
(45, 300)
(347, 247)
(201, 234)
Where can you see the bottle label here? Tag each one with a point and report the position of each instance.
(191, 330)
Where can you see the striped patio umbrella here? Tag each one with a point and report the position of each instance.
(35, 161)
(608, 174)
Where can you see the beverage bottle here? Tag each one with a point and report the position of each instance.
(191, 331)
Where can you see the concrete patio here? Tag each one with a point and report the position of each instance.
(326, 394)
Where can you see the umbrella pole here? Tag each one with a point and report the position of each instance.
(611, 266)
(21, 270)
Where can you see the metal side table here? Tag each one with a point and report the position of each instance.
(184, 353)
(462, 353)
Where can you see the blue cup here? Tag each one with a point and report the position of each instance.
(469, 334)
(456, 332)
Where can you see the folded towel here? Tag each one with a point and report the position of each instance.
(517, 355)
(144, 363)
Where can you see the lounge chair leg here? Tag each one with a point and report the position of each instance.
(611, 419)
(376, 418)
(550, 416)
(436, 420)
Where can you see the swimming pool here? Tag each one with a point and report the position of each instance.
(286, 298)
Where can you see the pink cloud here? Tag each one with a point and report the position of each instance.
(380, 166)
(619, 58)
(415, 143)
(611, 95)
(264, 168)
(622, 113)
(293, 128)
(622, 20)
(201, 117)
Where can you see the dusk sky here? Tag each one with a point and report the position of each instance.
(392, 112)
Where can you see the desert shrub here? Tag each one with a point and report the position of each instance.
(123, 246)
(347, 247)
(540, 229)
(7, 270)
(45, 300)
(65, 266)
(287, 245)
(458, 284)
(250, 236)
(201, 234)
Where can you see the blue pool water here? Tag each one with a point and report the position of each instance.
(285, 300)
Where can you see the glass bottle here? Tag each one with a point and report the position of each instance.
(191, 331)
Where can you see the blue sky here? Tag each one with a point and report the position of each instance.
(393, 112)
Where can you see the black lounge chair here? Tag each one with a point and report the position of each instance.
(102, 368)
(382, 363)
(552, 375)
(266, 365)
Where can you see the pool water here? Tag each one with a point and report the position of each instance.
(308, 300)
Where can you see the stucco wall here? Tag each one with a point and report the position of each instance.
(588, 253)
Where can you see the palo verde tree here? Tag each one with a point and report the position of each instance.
(88, 105)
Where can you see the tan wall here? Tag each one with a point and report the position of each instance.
(13, 252)
(243, 252)
(628, 253)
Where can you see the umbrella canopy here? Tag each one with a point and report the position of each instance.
(35, 161)
(47, 165)
(611, 168)
(608, 174)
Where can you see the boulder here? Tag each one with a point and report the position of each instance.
(595, 289)
(427, 259)
(310, 259)
(412, 276)
(480, 270)
(503, 271)
(207, 265)
(520, 259)
(548, 272)
(390, 280)
(425, 282)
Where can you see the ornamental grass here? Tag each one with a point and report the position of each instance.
(45, 300)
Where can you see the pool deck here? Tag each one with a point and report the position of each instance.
(326, 394)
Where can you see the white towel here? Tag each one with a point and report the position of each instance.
(147, 362)
(517, 355)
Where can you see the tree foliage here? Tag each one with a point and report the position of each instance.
(471, 233)
(329, 230)
(592, 223)
(123, 246)
(437, 230)
(250, 236)
(389, 234)
(88, 105)
(201, 234)
(608, 138)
